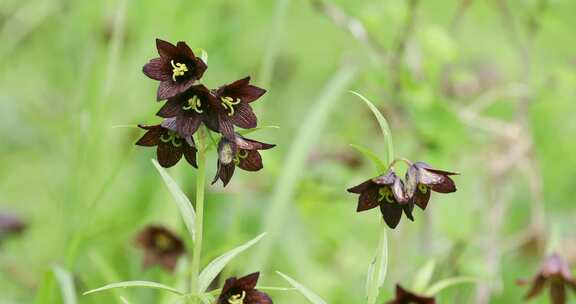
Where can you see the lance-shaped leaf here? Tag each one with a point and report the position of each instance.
(66, 283)
(378, 268)
(441, 285)
(144, 284)
(184, 204)
(423, 276)
(307, 293)
(213, 269)
(379, 165)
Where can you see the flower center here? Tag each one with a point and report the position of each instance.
(178, 69)
(423, 188)
(171, 137)
(194, 103)
(237, 298)
(162, 242)
(242, 154)
(228, 103)
(384, 194)
(226, 154)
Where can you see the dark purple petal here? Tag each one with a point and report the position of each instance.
(257, 297)
(557, 293)
(199, 69)
(391, 212)
(398, 191)
(184, 49)
(248, 282)
(166, 49)
(166, 89)
(243, 90)
(368, 199)
(446, 186)
(250, 144)
(157, 69)
(362, 187)
(427, 177)
(421, 198)
(226, 128)
(186, 125)
(537, 285)
(168, 155)
(225, 173)
(169, 123)
(252, 161)
(171, 108)
(151, 137)
(229, 284)
(386, 179)
(408, 210)
(411, 181)
(190, 155)
(243, 116)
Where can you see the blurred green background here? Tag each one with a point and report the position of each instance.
(482, 87)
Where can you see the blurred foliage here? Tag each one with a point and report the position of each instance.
(70, 77)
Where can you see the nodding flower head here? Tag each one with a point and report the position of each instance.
(234, 105)
(404, 296)
(243, 291)
(421, 179)
(386, 191)
(554, 272)
(241, 152)
(161, 247)
(190, 109)
(177, 68)
(170, 145)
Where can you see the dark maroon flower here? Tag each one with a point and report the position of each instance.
(242, 291)
(10, 224)
(190, 109)
(161, 247)
(170, 145)
(241, 152)
(421, 179)
(386, 191)
(177, 68)
(234, 106)
(554, 272)
(405, 297)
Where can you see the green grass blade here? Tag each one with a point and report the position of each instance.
(441, 285)
(384, 126)
(378, 268)
(184, 204)
(379, 165)
(293, 167)
(66, 283)
(307, 293)
(143, 284)
(423, 277)
(215, 267)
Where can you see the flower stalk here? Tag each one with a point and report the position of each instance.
(200, 184)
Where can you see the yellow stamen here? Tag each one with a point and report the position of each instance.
(228, 103)
(238, 298)
(163, 242)
(194, 103)
(172, 137)
(423, 188)
(384, 194)
(243, 154)
(178, 69)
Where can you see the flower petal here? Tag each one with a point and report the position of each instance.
(186, 125)
(257, 297)
(536, 288)
(446, 186)
(368, 199)
(225, 126)
(408, 208)
(190, 155)
(225, 173)
(168, 155)
(250, 144)
(249, 281)
(421, 199)
(557, 293)
(184, 49)
(411, 181)
(243, 90)
(361, 187)
(398, 191)
(166, 49)
(243, 116)
(151, 137)
(386, 179)
(157, 69)
(166, 89)
(252, 162)
(391, 212)
(170, 109)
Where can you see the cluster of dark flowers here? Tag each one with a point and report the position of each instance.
(163, 248)
(189, 104)
(554, 273)
(394, 195)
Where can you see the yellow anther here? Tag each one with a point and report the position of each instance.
(163, 242)
(243, 154)
(384, 194)
(178, 69)
(238, 298)
(423, 188)
(228, 103)
(194, 103)
(171, 137)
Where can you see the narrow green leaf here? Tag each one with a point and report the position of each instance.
(423, 276)
(376, 161)
(378, 268)
(213, 269)
(124, 300)
(184, 204)
(66, 283)
(384, 126)
(206, 298)
(441, 285)
(307, 293)
(144, 284)
(248, 131)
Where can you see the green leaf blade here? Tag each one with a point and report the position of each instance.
(307, 293)
(215, 267)
(66, 283)
(379, 165)
(184, 204)
(143, 284)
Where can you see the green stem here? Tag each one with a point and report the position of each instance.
(200, 184)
